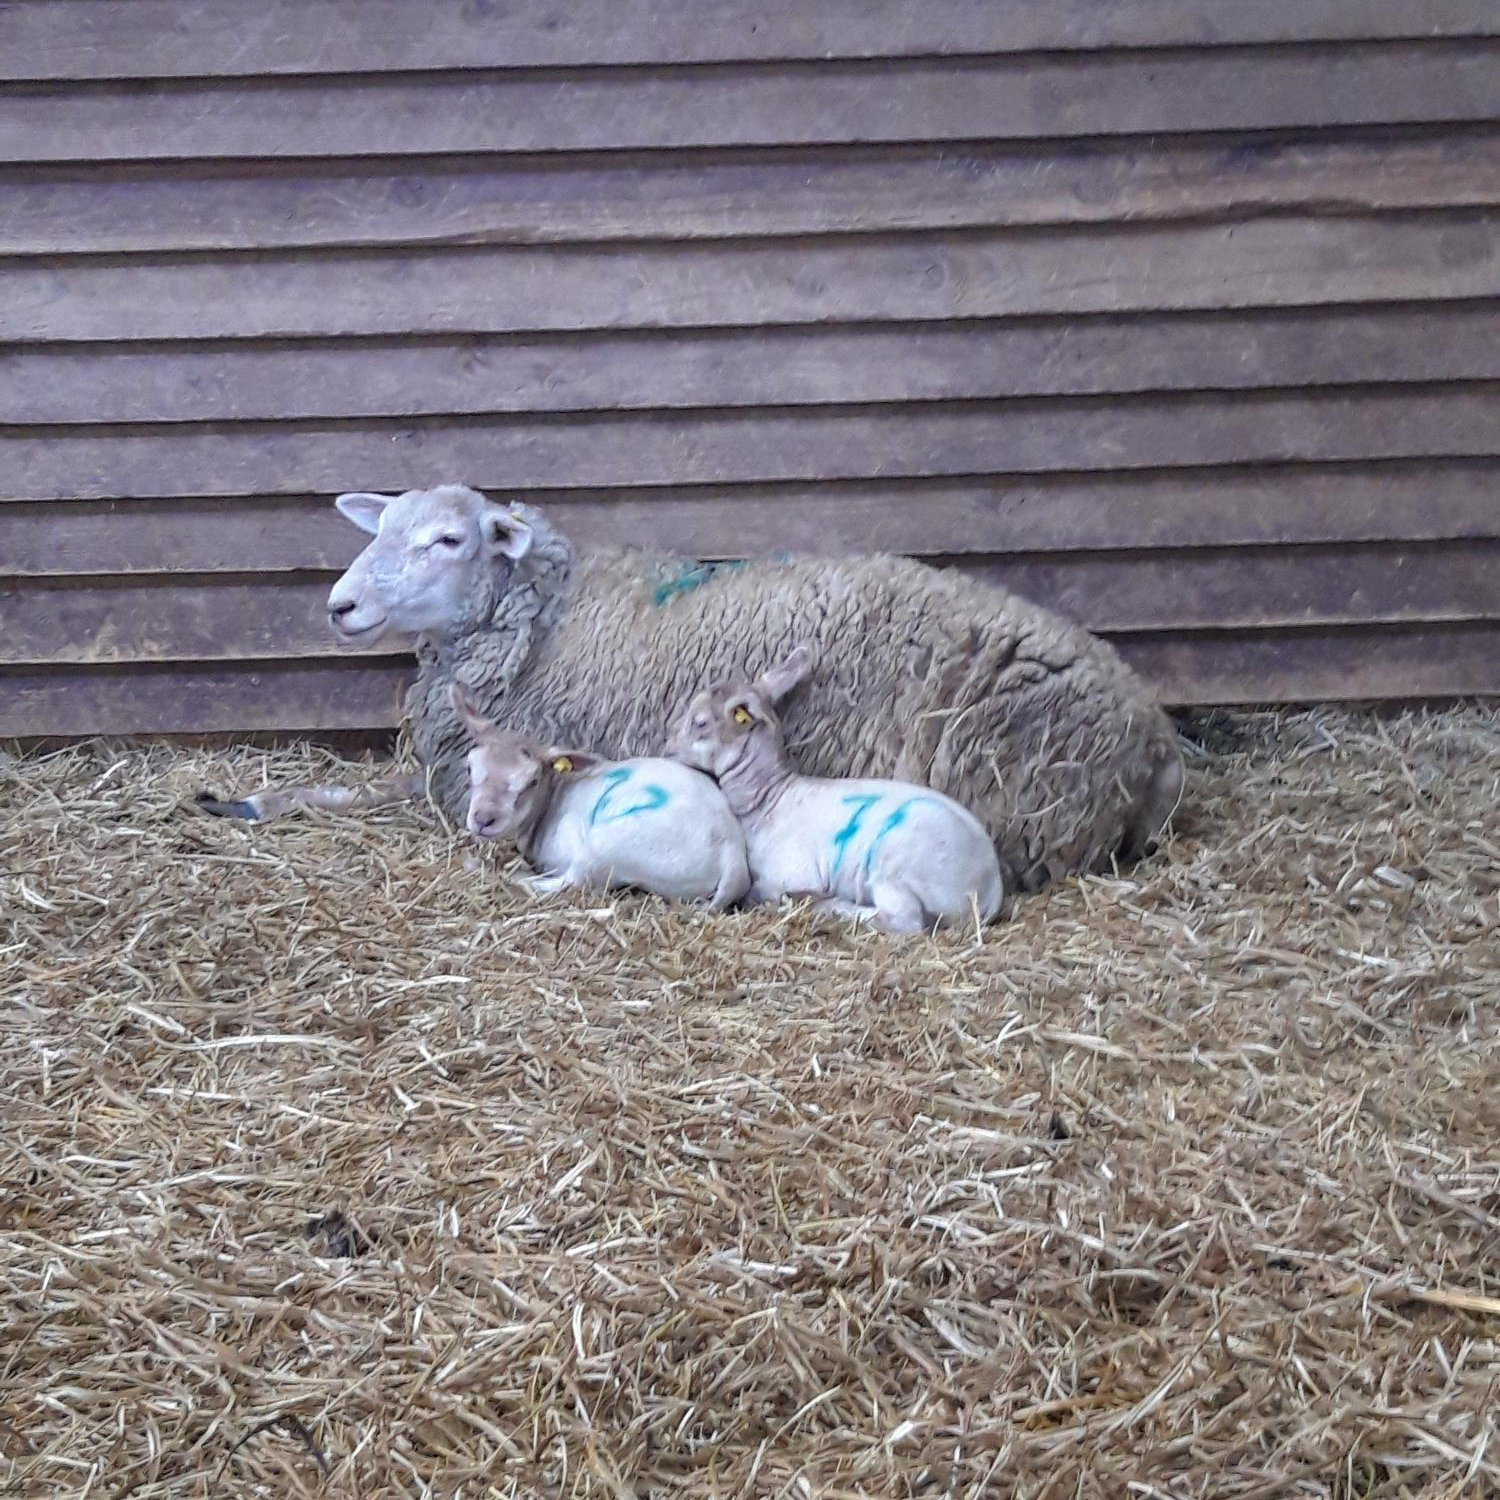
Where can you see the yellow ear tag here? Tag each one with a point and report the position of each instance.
(562, 764)
(743, 716)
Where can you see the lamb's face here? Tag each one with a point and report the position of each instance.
(429, 547)
(506, 782)
(718, 727)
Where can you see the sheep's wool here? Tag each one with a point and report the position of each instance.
(923, 676)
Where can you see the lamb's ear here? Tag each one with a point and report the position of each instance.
(504, 533)
(363, 508)
(786, 675)
(468, 714)
(569, 762)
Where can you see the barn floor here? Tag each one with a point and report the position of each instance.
(333, 1166)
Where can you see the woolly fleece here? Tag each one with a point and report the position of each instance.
(921, 675)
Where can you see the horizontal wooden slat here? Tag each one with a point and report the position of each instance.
(1431, 501)
(1330, 664)
(162, 618)
(1281, 261)
(1319, 666)
(523, 454)
(182, 698)
(42, 39)
(833, 103)
(341, 205)
(780, 366)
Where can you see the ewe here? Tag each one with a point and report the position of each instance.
(922, 675)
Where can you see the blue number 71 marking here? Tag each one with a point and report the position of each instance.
(850, 831)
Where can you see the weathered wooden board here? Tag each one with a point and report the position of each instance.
(43, 39)
(1328, 665)
(780, 367)
(1275, 261)
(234, 617)
(1430, 501)
(690, 195)
(537, 454)
(1319, 666)
(187, 698)
(825, 103)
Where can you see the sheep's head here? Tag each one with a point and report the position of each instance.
(423, 570)
(723, 725)
(511, 778)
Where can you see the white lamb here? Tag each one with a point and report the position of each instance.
(585, 822)
(897, 855)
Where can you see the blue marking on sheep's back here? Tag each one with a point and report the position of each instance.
(603, 812)
(690, 576)
(850, 831)
(890, 825)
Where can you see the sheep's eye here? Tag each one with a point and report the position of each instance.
(447, 541)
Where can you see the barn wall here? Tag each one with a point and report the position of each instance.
(1181, 317)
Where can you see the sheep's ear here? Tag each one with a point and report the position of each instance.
(569, 762)
(469, 715)
(505, 534)
(363, 508)
(786, 675)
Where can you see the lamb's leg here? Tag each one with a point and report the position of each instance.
(734, 881)
(897, 910)
(836, 906)
(260, 807)
(549, 885)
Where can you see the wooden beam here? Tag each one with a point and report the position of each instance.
(537, 454)
(1319, 666)
(1275, 261)
(690, 196)
(809, 103)
(262, 381)
(192, 699)
(42, 39)
(1440, 500)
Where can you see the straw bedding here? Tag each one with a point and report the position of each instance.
(334, 1166)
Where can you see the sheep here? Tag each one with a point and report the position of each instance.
(923, 675)
(585, 823)
(902, 857)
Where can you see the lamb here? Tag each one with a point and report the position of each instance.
(900, 856)
(590, 824)
(922, 675)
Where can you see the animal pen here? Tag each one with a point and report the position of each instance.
(333, 1164)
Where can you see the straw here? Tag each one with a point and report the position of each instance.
(335, 1165)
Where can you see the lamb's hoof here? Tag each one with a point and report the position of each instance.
(221, 809)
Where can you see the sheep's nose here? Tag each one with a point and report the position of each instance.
(338, 608)
(481, 824)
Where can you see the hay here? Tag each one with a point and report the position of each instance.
(333, 1166)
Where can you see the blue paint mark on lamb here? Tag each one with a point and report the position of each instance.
(850, 831)
(890, 825)
(604, 812)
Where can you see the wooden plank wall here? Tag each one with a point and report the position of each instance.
(1183, 317)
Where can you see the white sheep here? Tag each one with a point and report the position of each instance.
(900, 856)
(580, 821)
(923, 676)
